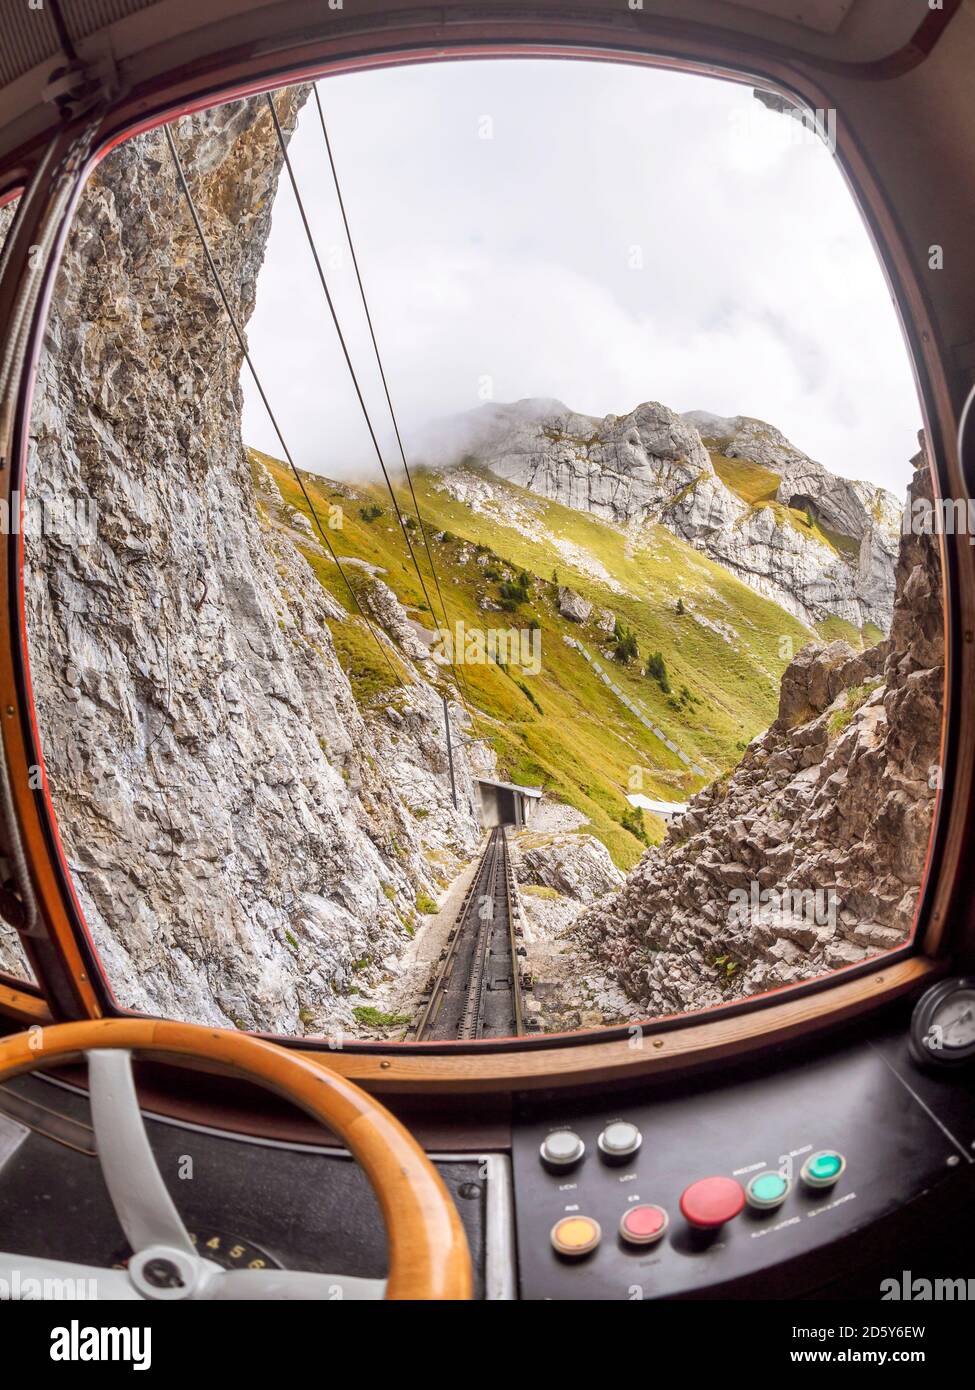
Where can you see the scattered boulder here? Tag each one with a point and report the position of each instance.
(392, 617)
(577, 866)
(573, 606)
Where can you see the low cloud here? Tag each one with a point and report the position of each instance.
(624, 235)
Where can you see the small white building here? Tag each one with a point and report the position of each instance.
(666, 810)
(505, 803)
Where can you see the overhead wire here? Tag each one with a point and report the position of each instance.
(310, 237)
(238, 333)
(378, 354)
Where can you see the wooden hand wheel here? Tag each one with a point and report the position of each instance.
(428, 1254)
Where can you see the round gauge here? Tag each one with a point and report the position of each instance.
(943, 1024)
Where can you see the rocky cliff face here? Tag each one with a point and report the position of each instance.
(809, 855)
(559, 873)
(817, 544)
(247, 843)
(860, 522)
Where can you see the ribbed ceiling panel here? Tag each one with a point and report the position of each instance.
(29, 37)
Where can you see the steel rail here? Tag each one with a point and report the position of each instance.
(512, 941)
(432, 1008)
(461, 993)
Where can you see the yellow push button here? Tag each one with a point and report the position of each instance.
(575, 1236)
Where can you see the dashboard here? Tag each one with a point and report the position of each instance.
(812, 1174)
(246, 1202)
(755, 1187)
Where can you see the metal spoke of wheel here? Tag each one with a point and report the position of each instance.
(277, 1284)
(142, 1203)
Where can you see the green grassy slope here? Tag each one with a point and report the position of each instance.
(570, 734)
(758, 485)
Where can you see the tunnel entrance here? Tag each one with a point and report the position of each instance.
(506, 803)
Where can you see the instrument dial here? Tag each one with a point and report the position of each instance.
(943, 1024)
(228, 1251)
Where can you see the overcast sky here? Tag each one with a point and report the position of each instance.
(597, 233)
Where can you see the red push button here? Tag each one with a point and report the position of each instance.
(711, 1202)
(643, 1225)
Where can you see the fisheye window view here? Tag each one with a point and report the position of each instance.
(558, 688)
(487, 599)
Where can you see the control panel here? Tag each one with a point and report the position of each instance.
(698, 1189)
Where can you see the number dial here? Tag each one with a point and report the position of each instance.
(228, 1251)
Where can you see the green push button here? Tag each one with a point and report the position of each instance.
(823, 1169)
(767, 1190)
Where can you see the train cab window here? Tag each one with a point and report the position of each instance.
(13, 961)
(478, 593)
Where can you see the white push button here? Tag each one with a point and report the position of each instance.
(619, 1141)
(562, 1149)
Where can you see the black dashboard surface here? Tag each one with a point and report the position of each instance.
(905, 1133)
(301, 1207)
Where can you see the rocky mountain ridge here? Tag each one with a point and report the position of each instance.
(809, 855)
(820, 545)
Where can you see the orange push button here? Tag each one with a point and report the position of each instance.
(575, 1236)
(711, 1202)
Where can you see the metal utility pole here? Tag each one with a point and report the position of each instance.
(450, 751)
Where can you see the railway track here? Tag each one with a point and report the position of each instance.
(476, 991)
